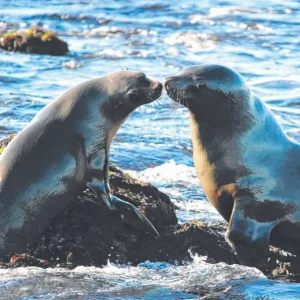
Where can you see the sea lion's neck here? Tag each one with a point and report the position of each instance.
(213, 139)
(200, 155)
(214, 167)
(112, 129)
(217, 152)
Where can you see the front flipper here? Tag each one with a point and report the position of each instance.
(248, 236)
(133, 216)
(98, 188)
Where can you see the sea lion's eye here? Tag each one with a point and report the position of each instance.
(199, 81)
(133, 92)
(198, 78)
(200, 85)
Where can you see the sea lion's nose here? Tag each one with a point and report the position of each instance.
(169, 83)
(158, 86)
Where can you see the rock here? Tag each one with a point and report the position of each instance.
(5, 142)
(179, 243)
(25, 260)
(88, 233)
(34, 40)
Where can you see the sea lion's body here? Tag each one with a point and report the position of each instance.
(248, 167)
(63, 149)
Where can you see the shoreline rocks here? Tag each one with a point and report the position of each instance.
(88, 233)
(34, 40)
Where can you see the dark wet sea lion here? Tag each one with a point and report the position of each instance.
(248, 167)
(63, 149)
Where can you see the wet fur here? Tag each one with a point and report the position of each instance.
(248, 167)
(64, 148)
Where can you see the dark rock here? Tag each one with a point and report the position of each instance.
(179, 243)
(34, 40)
(25, 260)
(88, 233)
(5, 142)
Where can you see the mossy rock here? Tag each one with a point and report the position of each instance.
(34, 40)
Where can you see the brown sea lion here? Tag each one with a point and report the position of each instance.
(248, 167)
(64, 149)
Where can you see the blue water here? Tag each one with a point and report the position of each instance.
(260, 39)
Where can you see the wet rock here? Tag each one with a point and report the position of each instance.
(34, 40)
(5, 142)
(25, 260)
(178, 244)
(88, 233)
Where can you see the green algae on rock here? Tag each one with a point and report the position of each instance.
(34, 40)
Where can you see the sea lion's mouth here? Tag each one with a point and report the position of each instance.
(155, 91)
(177, 95)
(171, 90)
(169, 84)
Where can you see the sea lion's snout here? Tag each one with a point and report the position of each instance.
(179, 82)
(157, 88)
(175, 86)
(170, 83)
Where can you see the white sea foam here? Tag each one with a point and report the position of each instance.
(228, 11)
(114, 281)
(196, 206)
(195, 41)
(72, 64)
(168, 172)
(196, 209)
(193, 204)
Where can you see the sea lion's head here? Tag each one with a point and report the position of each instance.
(212, 93)
(127, 90)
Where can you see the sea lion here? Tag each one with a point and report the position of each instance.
(248, 167)
(64, 149)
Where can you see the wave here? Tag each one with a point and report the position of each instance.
(168, 172)
(149, 279)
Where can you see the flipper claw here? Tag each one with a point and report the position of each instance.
(133, 216)
(98, 190)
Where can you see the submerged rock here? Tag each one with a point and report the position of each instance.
(34, 40)
(88, 233)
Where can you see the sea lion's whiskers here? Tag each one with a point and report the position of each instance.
(118, 104)
(180, 98)
(183, 100)
(176, 104)
(158, 106)
(231, 99)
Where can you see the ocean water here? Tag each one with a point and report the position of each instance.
(260, 39)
